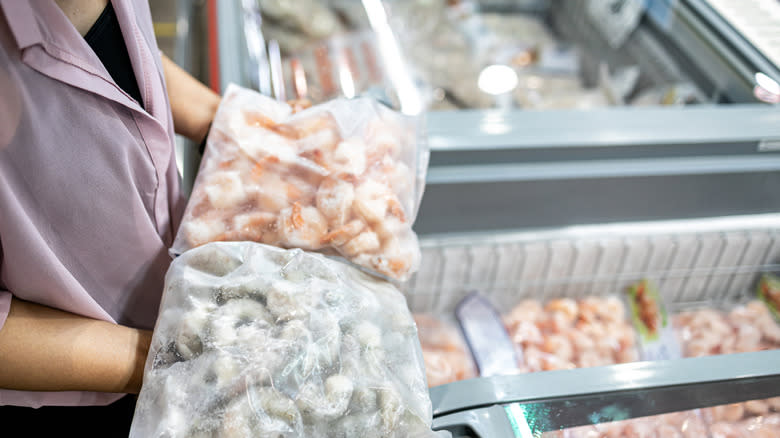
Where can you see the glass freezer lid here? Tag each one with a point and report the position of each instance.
(757, 20)
(554, 400)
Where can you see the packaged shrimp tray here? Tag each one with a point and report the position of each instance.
(343, 178)
(255, 340)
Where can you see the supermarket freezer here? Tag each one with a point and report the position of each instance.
(502, 181)
(699, 263)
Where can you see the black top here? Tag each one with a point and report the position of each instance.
(105, 38)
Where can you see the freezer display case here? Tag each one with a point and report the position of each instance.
(582, 359)
(577, 149)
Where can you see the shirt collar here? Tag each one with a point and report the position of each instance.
(22, 22)
(39, 26)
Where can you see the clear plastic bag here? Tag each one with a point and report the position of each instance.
(253, 340)
(342, 178)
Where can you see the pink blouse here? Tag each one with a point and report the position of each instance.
(89, 189)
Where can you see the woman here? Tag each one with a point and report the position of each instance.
(89, 204)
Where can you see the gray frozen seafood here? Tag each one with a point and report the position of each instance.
(254, 340)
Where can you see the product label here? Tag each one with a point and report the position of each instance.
(657, 340)
(486, 336)
(769, 293)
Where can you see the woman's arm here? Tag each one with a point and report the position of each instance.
(43, 349)
(193, 104)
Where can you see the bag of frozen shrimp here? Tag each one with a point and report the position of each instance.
(258, 341)
(343, 178)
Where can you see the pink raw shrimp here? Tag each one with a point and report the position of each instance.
(204, 229)
(301, 227)
(363, 243)
(372, 201)
(446, 366)
(559, 346)
(668, 431)
(383, 140)
(565, 306)
(255, 226)
(580, 341)
(526, 310)
(224, 189)
(613, 309)
(748, 338)
(349, 157)
(343, 234)
(334, 200)
(270, 192)
(638, 429)
(590, 309)
(526, 333)
(395, 259)
(438, 369)
(726, 430)
(434, 334)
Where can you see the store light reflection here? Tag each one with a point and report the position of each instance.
(494, 123)
(497, 79)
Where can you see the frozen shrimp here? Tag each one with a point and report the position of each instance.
(564, 306)
(344, 234)
(277, 406)
(526, 310)
(224, 189)
(334, 200)
(383, 140)
(580, 341)
(270, 192)
(252, 226)
(302, 227)
(372, 200)
(559, 346)
(438, 368)
(349, 157)
(365, 242)
(314, 179)
(526, 333)
(725, 430)
(204, 229)
(748, 338)
(394, 259)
